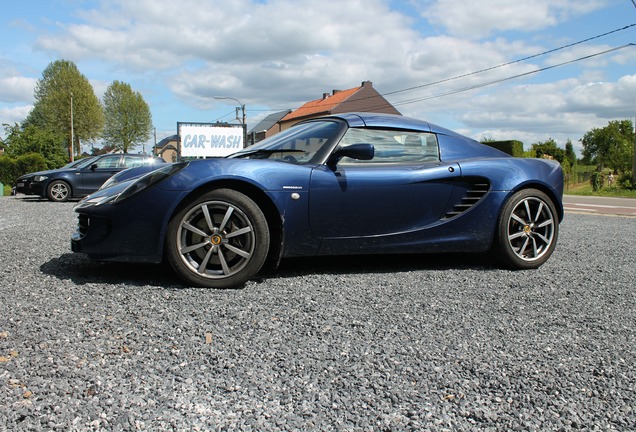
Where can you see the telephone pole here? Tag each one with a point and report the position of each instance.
(634, 155)
(72, 132)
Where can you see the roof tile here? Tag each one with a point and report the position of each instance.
(323, 105)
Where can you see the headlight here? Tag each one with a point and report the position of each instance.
(39, 178)
(121, 192)
(150, 179)
(95, 201)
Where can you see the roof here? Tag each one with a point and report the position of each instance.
(268, 122)
(323, 105)
(167, 140)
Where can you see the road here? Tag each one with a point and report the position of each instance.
(600, 205)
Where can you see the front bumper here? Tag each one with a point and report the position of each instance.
(23, 186)
(130, 231)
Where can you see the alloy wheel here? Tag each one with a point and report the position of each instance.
(215, 239)
(531, 229)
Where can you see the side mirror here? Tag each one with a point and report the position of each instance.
(93, 167)
(361, 151)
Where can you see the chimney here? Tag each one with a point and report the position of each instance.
(325, 96)
(335, 91)
(367, 84)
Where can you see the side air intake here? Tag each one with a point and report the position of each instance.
(474, 191)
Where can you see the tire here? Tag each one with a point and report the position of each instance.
(58, 191)
(527, 230)
(218, 240)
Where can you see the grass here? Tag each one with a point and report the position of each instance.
(586, 189)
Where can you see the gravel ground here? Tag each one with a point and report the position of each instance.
(386, 343)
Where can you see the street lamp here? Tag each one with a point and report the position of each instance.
(242, 106)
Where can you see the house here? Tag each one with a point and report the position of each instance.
(364, 98)
(167, 148)
(266, 127)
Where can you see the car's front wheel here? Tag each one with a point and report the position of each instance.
(219, 240)
(527, 230)
(58, 191)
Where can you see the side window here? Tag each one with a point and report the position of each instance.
(394, 146)
(131, 162)
(108, 162)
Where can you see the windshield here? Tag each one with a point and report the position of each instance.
(77, 163)
(83, 163)
(299, 144)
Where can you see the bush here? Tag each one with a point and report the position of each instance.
(11, 169)
(31, 162)
(625, 181)
(8, 172)
(597, 179)
(512, 147)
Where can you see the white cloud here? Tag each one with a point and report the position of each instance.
(16, 89)
(477, 19)
(10, 116)
(281, 53)
(560, 110)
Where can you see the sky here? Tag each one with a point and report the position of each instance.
(528, 70)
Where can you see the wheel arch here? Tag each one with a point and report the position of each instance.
(546, 190)
(267, 206)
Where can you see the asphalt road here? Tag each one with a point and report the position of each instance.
(600, 205)
(386, 343)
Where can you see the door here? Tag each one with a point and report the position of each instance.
(401, 191)
(375, 200)
(96, 174)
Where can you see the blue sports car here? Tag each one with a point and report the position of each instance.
(355, 183)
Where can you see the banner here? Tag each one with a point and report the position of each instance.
(209, 140)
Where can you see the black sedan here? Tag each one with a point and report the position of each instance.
(81, 177)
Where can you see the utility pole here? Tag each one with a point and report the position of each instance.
(634, 155)
(242, 120)
(72, 132)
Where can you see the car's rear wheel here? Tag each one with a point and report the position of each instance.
(219, 240)
(527, 230)
(58, 191)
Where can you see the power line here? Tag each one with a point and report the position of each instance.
(451, 92)
(476, 86)
(514, 61)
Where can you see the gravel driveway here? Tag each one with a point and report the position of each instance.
(387, 343)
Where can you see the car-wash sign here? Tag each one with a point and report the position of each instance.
(208, 139)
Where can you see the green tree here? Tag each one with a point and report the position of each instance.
(61, 88)
(610, 146)
(549, 148)
(29, 139)
(128, 119)
(570, 155)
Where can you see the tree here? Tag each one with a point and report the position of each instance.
(128, 119)
(549, 148)
(610, 146)
(33, 139)
(570, 155)
(61, 90)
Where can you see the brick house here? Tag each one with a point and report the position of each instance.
(364, 98)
